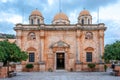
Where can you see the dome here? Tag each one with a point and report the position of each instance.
(36, 12)
(61, 16)
(84, 13)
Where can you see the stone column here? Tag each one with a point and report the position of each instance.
(42, 49)
(78, 50)
(78, 45)
(18, 35)
(19, 38)
(78, 62)
(101, 44)
(42, 61)
(42, 45)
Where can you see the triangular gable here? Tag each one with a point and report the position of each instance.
(60, 44)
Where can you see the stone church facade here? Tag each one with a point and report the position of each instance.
(61, 45)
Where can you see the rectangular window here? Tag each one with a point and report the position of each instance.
(89, 57)
(31, 57)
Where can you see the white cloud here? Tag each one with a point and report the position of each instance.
(73, 17)
(4, 1)
(12, 18)
(108, 13)
(50, 2)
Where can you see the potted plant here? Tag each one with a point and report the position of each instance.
(50, 70)
(91, 66)
(105, 67)
(71, 69)
(29, 67)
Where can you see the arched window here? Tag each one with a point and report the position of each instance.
(31, 36)
(82, 21)
(38, 21)
(89, 35)
(32, 21)
(88, 21)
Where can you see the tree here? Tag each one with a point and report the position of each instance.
(10, 52)
(112, 51)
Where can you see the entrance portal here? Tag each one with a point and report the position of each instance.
(60, 61)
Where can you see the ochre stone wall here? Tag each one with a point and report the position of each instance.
(41, 46)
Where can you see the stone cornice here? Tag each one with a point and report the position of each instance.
(72, 27)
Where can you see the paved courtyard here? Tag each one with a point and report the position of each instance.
(63, 76)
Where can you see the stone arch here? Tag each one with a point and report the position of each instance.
(31, 49)
(82, 21)
(89, 49)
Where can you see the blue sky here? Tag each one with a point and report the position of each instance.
(18, 11)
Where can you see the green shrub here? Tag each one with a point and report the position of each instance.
(50, 70)
(29, 66)
(91, 65)
(105, 67)
(71, 69)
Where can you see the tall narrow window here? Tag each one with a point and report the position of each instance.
(88, 21)
(82, 21)
(31, 57)
(38, 21)
(89, 57)
(32, 21)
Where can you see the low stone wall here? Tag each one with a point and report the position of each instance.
(18, 67)
(117, 70)
(35, 68)
(3, 72)
(98, 67)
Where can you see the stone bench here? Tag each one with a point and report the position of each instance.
(116, 71)
(12, 73)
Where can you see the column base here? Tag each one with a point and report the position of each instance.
(42, 66)
(101, 66)
(78, 65)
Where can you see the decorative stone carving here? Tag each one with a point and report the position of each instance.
(31, 36)
(60, 44)
(89, 35)
(89, 49)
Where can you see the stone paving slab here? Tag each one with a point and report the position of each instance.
(63, 76)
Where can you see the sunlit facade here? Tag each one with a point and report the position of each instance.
(61, 45)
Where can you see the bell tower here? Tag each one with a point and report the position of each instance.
(36, 18)
(85, 17)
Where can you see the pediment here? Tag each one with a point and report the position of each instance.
(60, 44)
(89, 49)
